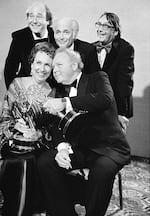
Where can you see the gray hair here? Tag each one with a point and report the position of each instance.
(73, 55)
(73, 23)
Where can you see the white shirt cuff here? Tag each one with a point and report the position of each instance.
(64, 145)
(68, 105)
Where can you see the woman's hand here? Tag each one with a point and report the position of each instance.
(27, 132)
(21, 125)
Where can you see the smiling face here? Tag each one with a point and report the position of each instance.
(63, 68)
(63, 33)
(41, 67)
(36, 18)
(105, 30)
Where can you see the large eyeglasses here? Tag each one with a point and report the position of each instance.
(105, 26)
(38, 17)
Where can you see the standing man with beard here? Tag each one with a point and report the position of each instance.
(39, 19)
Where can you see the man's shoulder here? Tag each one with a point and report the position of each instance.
(121, 42)
(97, 75)
(95, 43)
(21, 32)
(83, 44)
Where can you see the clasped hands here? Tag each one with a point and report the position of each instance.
(54, 105)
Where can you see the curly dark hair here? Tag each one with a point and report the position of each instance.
(42, 47)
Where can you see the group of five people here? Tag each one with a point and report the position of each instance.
(36, 155)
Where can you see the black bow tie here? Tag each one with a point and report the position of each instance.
(100, 46)
(73, 84)
(41, 40)
(68, 87)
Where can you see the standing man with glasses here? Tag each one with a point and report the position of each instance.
(116, 58)
(39, 19)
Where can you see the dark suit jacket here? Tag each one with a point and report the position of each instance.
(119, 65)
(102, 132)
(88, 55)
(17, 60)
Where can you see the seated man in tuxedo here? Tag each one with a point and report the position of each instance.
(39, 19)
(65, 34)
(100, 146)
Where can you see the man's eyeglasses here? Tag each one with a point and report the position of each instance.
(38, 17)
(105, 26)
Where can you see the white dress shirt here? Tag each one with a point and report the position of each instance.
(102, 56)
(72, 93)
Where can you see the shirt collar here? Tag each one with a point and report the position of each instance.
(78, 78)
(44, 36)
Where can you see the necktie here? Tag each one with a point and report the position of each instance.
(68, 87)
(102, 50)
(73, 84)
(41, 40)
(99, 46)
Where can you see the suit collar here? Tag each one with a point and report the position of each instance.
(50, 34)
(82, 84)
(76, 43)
(112, 55)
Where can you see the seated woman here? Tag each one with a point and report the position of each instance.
(25, 132)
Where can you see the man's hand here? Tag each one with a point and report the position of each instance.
(63, 159)
(124, 122)
(54, 105)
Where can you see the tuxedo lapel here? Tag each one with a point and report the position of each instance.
(76, 42)
(110, 57)
(82, 85)
(27, 42)
(79, 48)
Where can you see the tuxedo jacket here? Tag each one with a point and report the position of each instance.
(101, 132)
(17, 63)
(88, 56)
(119, 65)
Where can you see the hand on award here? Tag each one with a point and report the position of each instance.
(63, 159)
(54, 105)
(21, 125)
(27, 132)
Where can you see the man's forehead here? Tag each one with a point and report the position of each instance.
(64, 24)
(62, 56)
(103, 19)
(38, 9)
